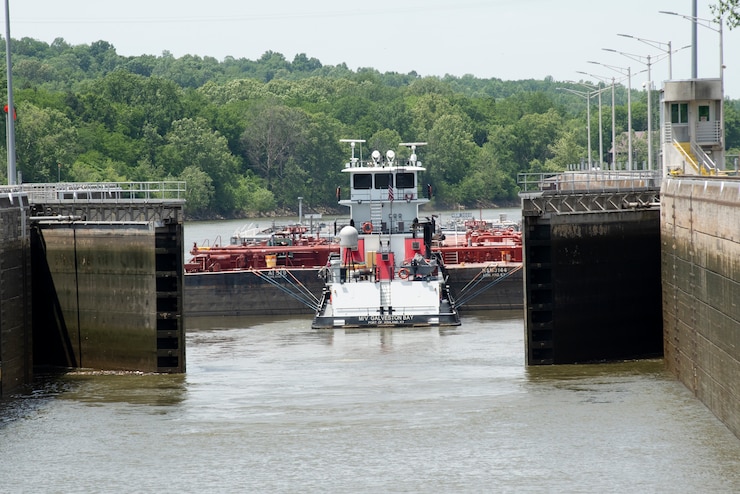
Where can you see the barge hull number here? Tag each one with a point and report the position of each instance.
(496, 271)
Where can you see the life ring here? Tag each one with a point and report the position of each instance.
(367, 227)
(403, 273)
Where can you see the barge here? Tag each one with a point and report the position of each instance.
(285, 272)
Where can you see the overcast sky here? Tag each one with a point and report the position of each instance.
(507, 39)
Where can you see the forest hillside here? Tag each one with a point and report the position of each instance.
(251, 136)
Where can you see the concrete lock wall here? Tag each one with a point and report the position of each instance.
(16, 363)
(700, 235)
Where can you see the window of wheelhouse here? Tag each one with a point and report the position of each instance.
(405, 181)
(679, 113)
(383, 180)
(362, 181)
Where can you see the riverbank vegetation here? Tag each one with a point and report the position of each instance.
(250, 137)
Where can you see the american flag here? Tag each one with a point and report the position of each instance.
(390, 192)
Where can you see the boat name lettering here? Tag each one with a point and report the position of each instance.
(393, 318)
(275, 273)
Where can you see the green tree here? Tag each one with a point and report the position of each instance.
(563, 152)
(487, 183)
(322, 156)
(199, 193)
(192, 143)
(44, 138)
(732, 125)
(273, 135)
(526, 141)
(93, 166)
(383, 140)
(449, 156)
(730, 10)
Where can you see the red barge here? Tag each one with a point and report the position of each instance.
(278, 273)
(292, 247)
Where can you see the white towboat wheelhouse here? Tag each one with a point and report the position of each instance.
(385, 274)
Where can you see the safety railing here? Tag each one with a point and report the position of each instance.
(589, 181)
(98, 192)
(708, 132)
(707, 166)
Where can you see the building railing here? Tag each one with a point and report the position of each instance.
(708, 132)
(668, 133)
(706, 164)
(99, 192)
(589, 181)
(705, 132)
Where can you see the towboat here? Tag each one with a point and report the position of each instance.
(386, 272)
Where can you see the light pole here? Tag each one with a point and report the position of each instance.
(597, 90)
(628, 72)
(659, 45)
(587, 96)
(646, 61)
(11, 104)
(614, 147)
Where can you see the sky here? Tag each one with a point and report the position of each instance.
(505, 39)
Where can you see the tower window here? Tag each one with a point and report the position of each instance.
(679, 113)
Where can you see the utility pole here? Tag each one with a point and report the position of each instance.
(11, 105)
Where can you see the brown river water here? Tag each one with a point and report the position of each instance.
(270, 405)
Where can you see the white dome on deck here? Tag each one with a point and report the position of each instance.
(348, 237)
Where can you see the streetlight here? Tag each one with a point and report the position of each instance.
(628, 72)
(597, 90)
(587, 96)
(659, 45)
(614, 82)
(646, 61)
(601, 142)
(707, 23)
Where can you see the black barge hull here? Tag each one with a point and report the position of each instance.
(267, 292)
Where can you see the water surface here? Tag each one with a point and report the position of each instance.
(270, 405)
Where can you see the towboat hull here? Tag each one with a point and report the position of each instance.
(397, 303)
(385, 320)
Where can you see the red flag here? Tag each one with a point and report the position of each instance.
(390, 191)
(5, 109)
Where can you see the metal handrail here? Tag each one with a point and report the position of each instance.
(98, 192)
(707, 165)
(686, 155)
(589, 181)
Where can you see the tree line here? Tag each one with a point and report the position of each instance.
(249, 137)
